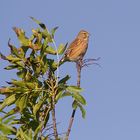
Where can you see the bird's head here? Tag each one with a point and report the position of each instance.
(83, 34)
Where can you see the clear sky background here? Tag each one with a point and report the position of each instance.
(113, 91)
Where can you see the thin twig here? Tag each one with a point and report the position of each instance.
(87, 62)
(53, 116)
(54, 124)
(70, 124)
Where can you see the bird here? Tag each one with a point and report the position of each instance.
(77, 48)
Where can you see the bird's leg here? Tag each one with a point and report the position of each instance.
(79, 64)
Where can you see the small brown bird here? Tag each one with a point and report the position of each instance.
(77, 48)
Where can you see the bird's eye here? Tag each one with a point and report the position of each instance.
(85, 34)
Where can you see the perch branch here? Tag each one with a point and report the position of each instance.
(79, 68)
(79, 65)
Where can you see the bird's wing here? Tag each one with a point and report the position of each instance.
(73, 47)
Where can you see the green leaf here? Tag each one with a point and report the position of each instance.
(30, 134)
(5, 90)
(59, 95)
(44, 65)
(28, 76)
(11, 112)
(10, 67)
(8, 101)
(45, 43)
(22, 102)
(22, 135)
(42, 25)
(64, 80)
(79, 98)
(54, 65)
(8, 120)
(34, 124)
(14, 50)
(50, 50)
(37, 70)
(20, 64)
(32, 56)
(46, 36)
(74, 89)
(43, 48)
(12, 58)
(6, 129)
(18, 83)
(17, 64)
(2, 137)
(44, 69)
(30, 85)
(22, 73)
(3, 56)
(83, 111)
(25, 49)
(76, 104)
(24, 41)
(65, 94)
(62, 48)
(37, 106)
(38, 129)
(53, 31)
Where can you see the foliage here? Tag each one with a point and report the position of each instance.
(25, 110)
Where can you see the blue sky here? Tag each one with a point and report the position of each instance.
(113, 91)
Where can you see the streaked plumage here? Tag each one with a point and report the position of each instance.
(77, 48)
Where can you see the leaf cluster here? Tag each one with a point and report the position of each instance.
(32, 94)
